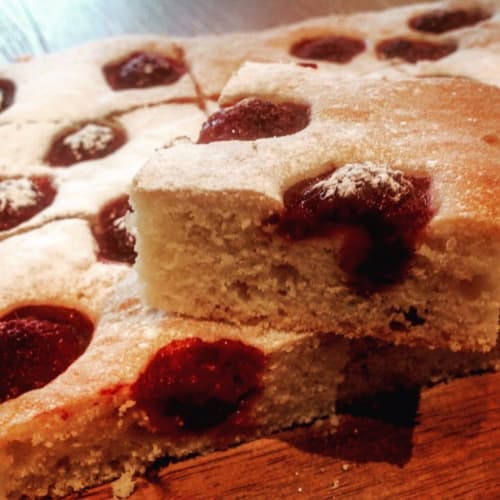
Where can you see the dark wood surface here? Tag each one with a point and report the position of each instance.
(445, 446)
(451, 450)
(37, 26)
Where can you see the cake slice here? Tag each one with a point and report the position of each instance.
(149, 386)
(362, 208)
(114, 385)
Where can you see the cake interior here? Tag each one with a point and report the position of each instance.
(212, 255)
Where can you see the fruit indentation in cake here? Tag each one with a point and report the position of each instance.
(38, 343)
(379, 212)
(413, 51)
(254, 118)
(23, 197)
(113, 238)
(7, 91)
(87, 141)
(141, 70)
(337, 49)
(440, 21)
(192, 384)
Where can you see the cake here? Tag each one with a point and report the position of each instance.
(119, 73)
(352, 45)
(115, 385)
(310, 204)
(128, 385)
(95, 383)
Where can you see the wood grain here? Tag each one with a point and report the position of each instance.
(451, 451)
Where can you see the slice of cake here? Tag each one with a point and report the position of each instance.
(101, 385)
(361, 208)
(148, 386)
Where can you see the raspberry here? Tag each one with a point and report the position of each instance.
(413, 51)
(114, 240)
(38, 343)
(193, 385)
(441, 21)
(143, 69)
(337, 49)
(253, 119)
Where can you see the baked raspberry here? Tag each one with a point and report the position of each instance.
(23, 197)
(191, 384)
(337, 49)
(440, 21)
(86, 141)
(413, 51)
(143, 69)
(7, 91)
(114, 240)
(379, 212)
(38, 343)
(254, 118)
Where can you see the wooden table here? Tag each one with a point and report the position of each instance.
(450, 444)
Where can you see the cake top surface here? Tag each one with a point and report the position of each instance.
(351, 45)
(444, 128)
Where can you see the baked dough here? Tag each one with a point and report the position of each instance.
(89, 427)
(206, 248)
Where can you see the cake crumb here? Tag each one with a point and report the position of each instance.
(335, 484)
(299, 489)
(124, 486)
(345, 467)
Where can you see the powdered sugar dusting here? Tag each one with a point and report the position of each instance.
(120, 223)
(123, 224)
(91, 137)
(17, 193)
(353, 177)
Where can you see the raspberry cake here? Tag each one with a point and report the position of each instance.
(83, 165)
(101, 384)
(350, 45)
(120, 74)
(347, 207)
(168, 387)
(115, 385)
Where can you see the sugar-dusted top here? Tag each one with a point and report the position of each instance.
(444, 128)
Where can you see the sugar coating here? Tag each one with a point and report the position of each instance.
(120, 224)
(353, 177)
(17, 193)
(91, 137)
